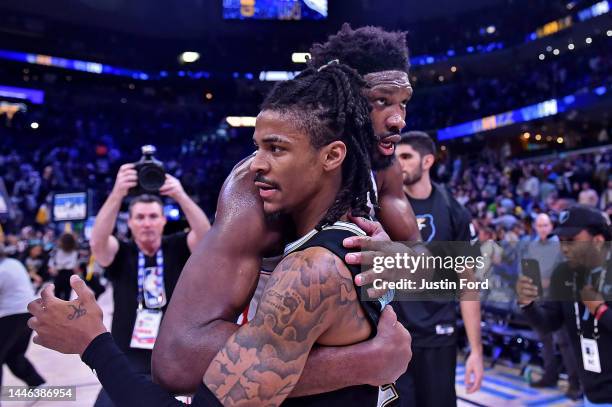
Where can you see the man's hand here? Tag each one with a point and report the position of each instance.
(526, 291)
(474, 372)
(376, 244)
(172, 187)
(127, 178)
(591, 298)
(66, 326)
(392, 349)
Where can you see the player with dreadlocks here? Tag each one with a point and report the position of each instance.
(227, 264)
(335, 112)
(312, 164)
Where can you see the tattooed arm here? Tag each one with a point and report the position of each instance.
(309, 299)
(225, 266)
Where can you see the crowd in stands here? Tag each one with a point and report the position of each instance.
(464, 96)
(504, 197)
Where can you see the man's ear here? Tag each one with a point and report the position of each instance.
(333, 155)
(428, 161)
(600, 242)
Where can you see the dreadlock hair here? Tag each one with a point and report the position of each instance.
(367, 49)
(327, 104)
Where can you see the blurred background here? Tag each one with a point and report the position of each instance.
(517, 94)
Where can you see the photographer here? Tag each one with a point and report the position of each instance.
(145, 269)
(580, 294)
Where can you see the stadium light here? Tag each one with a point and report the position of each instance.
(588, 40)
(538, 137)
(275, 76)
(570, 46)
(208, 96)
(453, 69)
(188, 57)
(491, 29)
(241, 121)
(556, 51)
(560, 140)
(526, 135)
(542, 57)
(300, 57)
(609, 33)
(34, 125)
(549, 48)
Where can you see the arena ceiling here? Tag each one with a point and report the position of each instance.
(191, 18)
(151, 33)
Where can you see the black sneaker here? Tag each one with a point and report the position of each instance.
(542, 383)
(574, 393)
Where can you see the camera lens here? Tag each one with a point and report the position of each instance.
(151, 178)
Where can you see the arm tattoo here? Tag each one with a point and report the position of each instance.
(77, 312)
(262, 362)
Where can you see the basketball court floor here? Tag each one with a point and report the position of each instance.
(502, 386)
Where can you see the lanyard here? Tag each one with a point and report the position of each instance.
(141, 272)
(602, 279)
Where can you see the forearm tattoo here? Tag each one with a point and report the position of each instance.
(262, 362)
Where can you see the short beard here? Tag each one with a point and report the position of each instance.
(382, 162)
(273, 217)
(408, 181)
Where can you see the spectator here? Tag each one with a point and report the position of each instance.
(63, 263)
(588, 196)
(15, 294)
(36, 264)
(546, 250)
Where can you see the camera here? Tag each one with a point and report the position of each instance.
(151, 173)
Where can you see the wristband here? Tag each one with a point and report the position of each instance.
(600, 310)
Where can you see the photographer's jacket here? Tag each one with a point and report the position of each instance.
(552, 315)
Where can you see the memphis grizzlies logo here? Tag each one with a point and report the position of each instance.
(427, 227)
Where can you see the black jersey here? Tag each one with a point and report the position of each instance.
(331, 238)
(441, 219)
(127, 388)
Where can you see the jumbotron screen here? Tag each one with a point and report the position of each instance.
(68, 207)
(274, 9)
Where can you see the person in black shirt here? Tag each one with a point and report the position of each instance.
(579, 298)
(145, 269)
(430, 379)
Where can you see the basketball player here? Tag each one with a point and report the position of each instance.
(312, 165)
(209, 299)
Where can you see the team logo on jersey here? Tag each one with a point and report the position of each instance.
(427, 227)
(563, 217)
(387, 394)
